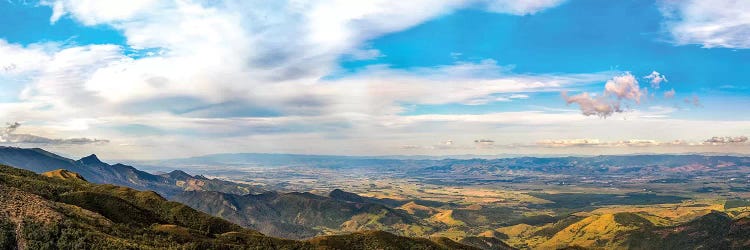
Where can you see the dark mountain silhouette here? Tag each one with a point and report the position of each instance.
(94, 170)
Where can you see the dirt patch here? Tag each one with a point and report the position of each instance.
(17, 205)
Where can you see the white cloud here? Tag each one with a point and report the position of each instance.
(616, 90)
(8, 136)
(716, 23)
(230, 49)
(17, 59)
(569, 142)
(91, 12)
(219, 57)
(591, 105)
(713, 141)
(656, 79)
(717, 140)
(620, 143)
(521, 7)
(624, 87)
(226, 51)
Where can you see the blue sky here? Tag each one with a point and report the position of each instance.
(27, 23)
(375, 77)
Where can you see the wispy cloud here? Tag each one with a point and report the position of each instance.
(599, 143)
(669, 94)
(484, 142)
(520, 7)
(695, 101)
(717, 23)
(717, 140)
(714, 141)
(9, 136)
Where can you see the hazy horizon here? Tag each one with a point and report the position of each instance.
(387, 156)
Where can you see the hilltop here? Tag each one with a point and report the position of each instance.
(64, 174)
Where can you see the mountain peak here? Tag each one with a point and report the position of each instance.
(91, 159)
(346, 196)
(179, 174)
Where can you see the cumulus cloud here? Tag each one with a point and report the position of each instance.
(656, 79)
(669, 94)
(717, 23)
(9, 136)
(618, 89)
(591, 105)
(624, 87)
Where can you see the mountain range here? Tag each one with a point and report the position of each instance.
(96, 171)
(53, 211)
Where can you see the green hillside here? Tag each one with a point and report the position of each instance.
(301, 215)
(40, 212)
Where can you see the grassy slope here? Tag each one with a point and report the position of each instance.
(57, 212)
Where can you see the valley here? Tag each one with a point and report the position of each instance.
(602, 202)
(526, 202)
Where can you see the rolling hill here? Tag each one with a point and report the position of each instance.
(55, 211)
(302, 215)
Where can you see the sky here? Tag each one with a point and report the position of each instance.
(155, 79)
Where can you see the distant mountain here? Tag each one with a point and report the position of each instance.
(96, 171)
(669, 167)
(272, 160)
(441, 169)
(40, 212)
(303, 215)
